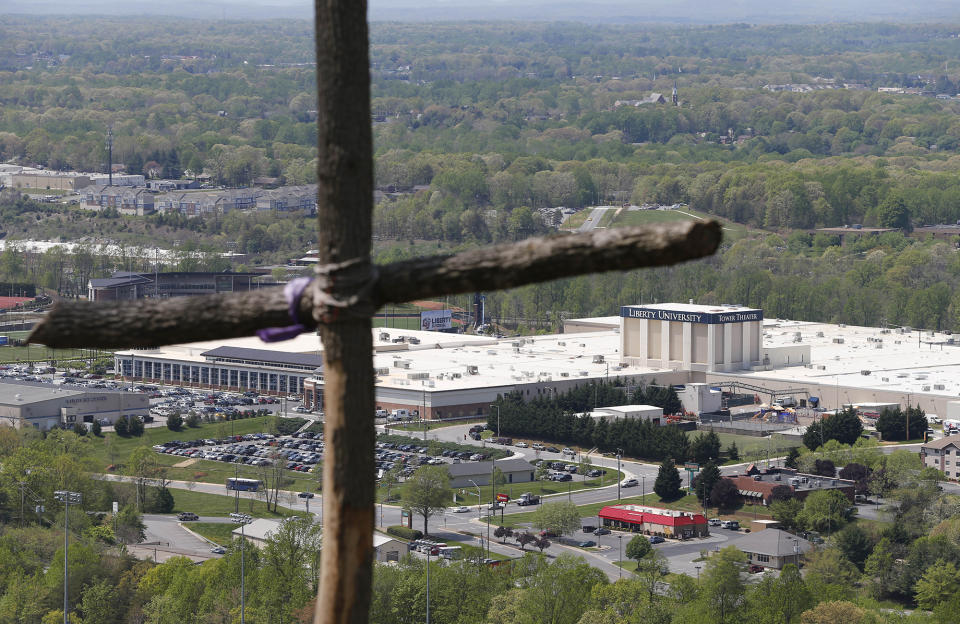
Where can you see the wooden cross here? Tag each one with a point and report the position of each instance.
(347, 291)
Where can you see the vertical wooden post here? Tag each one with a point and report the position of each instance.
(345, 207)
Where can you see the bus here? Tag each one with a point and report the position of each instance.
(243, 485)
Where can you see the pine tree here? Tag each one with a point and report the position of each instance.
(668, 483)
(709, 475)
(733, 452)
(792, 456)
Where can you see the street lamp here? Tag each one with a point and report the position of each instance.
(620, 573)
(308, 495)
(619, 454)
(66, 497)
(243, 520)
(698, 573)
(498, 418)
(479, 514)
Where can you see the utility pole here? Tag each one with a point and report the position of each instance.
(619, 480)
(109, 166)
(243, 519)
(67, 497)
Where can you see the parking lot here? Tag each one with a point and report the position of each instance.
(300, 452)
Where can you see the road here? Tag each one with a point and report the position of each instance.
(596, 215)
(467, 528)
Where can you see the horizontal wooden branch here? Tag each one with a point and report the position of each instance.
(156, 322)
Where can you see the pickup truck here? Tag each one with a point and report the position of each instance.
(528, 499)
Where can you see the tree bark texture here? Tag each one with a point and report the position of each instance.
(344, 217)
(148, 323)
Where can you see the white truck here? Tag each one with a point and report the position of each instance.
(400, 414)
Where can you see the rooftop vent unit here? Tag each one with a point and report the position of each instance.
(402, 363)
(582, 345)
(842, 326)
(598, 359)
(416, 376)
(584, 373)
(821, 367)
(884, 331)
(473, 370)
(926, 388)
(864, 372)
(413, 340)
(382, 371)
(384, 337)
(838, 341)
(561, 343)
(456, 375)
(885, 379)
(939, 387)
(819, 334)
(564, 374)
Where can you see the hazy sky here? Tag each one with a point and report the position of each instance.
(667, 11)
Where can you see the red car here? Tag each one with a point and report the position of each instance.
(756, 568)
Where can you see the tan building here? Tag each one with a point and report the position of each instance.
(773, 548)
(47, 181)
(944, 455)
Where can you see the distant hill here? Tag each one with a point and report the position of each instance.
(618, 11)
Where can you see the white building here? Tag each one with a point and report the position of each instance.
(44, 406)
(635, 412)
(691, 337)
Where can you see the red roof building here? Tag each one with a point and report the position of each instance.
(655, 521)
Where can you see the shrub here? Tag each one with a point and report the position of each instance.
(404, 533)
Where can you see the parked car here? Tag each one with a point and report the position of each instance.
(552, 449)
(187, 515)
(587, 544)
(589, 528)
(461, 509)
(656, 539)
(218, 550)
(733, 525)
(714, 521)
(602, 531)
(568, 451)
(756, 568)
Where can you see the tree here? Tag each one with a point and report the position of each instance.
(859, 474)
(497, 479)
(855, 544)
(835, 612)
(503, 533)
(638, 548)
(780, 493)
(668, 485)
(733, 453)
(825, 510)
(130, 526)
(651, 569)
(100, 604)
(938, 584)
(141, 466)
(135, 426)
(725, 494)
(844, 427)
(291, 559)
(792, 456)
(427, 492)
(722, 585)
(121, 427)
(781, 600)
(705, 447)
(824, 468)
(525, 538)
(891, 423)
(95, 428)
(163, 501)
(787, 512)
(174, 421)
(704, 482)
(192, 420)
(894, 213)
(542, 543)
(561, 517)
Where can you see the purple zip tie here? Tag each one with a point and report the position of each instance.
(292, 291)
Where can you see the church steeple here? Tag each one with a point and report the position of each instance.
(674, 97)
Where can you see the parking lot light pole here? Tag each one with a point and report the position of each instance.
(66, 497)
(243, 519)
(620, 573)
(479, 502)
(619, 454)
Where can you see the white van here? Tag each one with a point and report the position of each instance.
(400, 414)
(381, 414)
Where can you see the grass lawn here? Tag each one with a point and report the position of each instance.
(204, 504)
(753, 447)
(435, 424)
(607, 219)
(217, 532)
(40, 353)
(475, 552)
(577, 219)
(468, 496)
(629, 565)
(399, 322)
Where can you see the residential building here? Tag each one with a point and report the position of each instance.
(125, 199)
(773, 548)
(467, 473)
(655, 521)
(944, 455)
